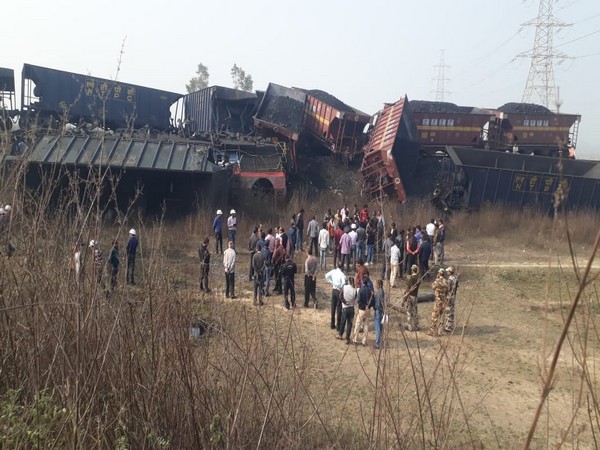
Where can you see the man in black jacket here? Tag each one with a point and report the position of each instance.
(288, 271)
(204, 255)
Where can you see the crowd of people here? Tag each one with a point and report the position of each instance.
(348, 243)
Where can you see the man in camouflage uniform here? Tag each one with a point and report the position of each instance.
(412, 292)
(440, 288)
(452, 286)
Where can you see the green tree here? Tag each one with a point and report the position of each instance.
(200, 81)
(240, 79)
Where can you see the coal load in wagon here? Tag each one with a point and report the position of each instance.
(284, 111)
(424, 106)
(524, 108)
(332, 101)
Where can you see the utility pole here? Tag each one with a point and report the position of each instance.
(441, 91)
(540, 87)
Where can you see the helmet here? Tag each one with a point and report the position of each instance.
(219, 212)
(353, 226)
(232, 211)
(450, 269)
(7, 208)
(132, 231)
(93, 243)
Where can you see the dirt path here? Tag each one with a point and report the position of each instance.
(506, 328)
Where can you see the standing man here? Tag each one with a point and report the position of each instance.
(452, 287)
(278, 259)
(98, 260)
(292, 236)
(346, 249)
(365, 299)
(204, 255)
(310, 277)
(77, 261)
(412, 297)
(412, 249)
(354, 236)
(441, 241)
(430, 230)
(113, 260)
(363, 217)
(323, 246)
(370, 245)
(299, 229)
(361, 242)
(229, 265)
(424, 255)
(131, 249)
(394, 263)
(313, 233)
(337, 279)
(387, 254)
(288, 270)
(337, 249)
(348, 296)
(218, 230)
(258, 265)
(252, 241)
(232, 226)
(440, 289)
(378, 312)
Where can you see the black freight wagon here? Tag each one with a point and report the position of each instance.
(482, 176)
(49, 94)
(220, 109)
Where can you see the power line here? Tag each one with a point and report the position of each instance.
(577, 39)
(441, 91)
(540, 86)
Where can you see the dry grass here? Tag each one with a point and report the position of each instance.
(86, 368)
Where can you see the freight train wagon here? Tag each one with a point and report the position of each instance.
(49, 95)
(533, 129)
(219, 109)
(392, 153)
(336, 125)
(442, 123)
(477, 177)
(279, 116)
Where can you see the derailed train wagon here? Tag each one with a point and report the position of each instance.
(50, 94)
(477, 177)
(392, 153)
(334, 124)
(220, 109)
(280, 114)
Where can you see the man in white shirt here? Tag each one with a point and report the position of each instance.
(323, 245)
(354, 236)
(394, 263)
(229, 265)
(337, 279)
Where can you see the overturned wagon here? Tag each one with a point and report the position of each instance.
(50, 95)
(476, 177)
(392, 153)
(334, 124)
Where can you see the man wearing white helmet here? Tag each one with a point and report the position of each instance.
(218, 230)
(132, 245)
(232, 225)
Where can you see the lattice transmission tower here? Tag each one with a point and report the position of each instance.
(441, 92)
(541, 87)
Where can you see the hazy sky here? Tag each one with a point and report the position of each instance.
(365, 53)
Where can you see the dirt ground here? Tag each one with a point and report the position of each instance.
(511, 305)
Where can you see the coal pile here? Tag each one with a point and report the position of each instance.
(424, 106)
(283, 111)
(330, 100)
(524, 108)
